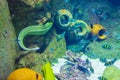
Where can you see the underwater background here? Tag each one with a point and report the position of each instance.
(60, 39)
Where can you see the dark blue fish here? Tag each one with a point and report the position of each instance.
(87, 61)
(70, 63)
(110, 62)
(91, 69)
(102, 78)
(106, 46)
(85, 70)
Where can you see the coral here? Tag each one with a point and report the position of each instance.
(33, 30)
(7, 41)
(82, 26)
(96, 50)
(76, 35)
(78, 30)
(63, 18)
(112, 73)
(24, 74)
(75, 68)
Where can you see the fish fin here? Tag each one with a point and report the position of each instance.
(85, 70)
(102, 78)
(87, 60)
(91, 25)
(91, 69)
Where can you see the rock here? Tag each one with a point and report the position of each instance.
(35, 61)
(7, 42)
(26, 12)
(95, 49)
(34, 3)
(56, 47)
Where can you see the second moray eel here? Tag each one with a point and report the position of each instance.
(33, 30)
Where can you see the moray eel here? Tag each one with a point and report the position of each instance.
(33, 30)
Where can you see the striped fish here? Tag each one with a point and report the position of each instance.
(106, 46)
(108, 63)
(102, 78)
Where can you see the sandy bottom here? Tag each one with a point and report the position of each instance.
(96, 64)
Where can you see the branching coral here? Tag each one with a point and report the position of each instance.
(75, 68)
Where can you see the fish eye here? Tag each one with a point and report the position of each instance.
(101, 32)
(37, 76)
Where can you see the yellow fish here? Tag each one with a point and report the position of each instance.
(24, 74)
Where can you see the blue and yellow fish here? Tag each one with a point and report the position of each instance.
(102, 78)
(106, 46)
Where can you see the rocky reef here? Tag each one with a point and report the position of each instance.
(75, 68)
(96, 49)
(34, 3)
(7, 39)
(35, 61)
(56, 47)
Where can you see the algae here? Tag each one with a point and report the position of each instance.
(95, 49)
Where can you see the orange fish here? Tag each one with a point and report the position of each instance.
(24, 74)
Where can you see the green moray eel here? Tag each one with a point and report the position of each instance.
(33, 30)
